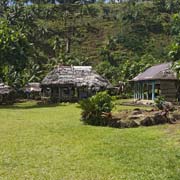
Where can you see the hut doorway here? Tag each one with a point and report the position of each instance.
(82, 92)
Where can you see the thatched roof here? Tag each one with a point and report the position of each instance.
(33, 87)
(4, 89)
(157, 72)
(75, 75)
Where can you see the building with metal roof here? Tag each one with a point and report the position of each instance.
(158, 80)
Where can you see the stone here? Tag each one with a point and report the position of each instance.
(159, 118)
(133, 124)
(138, 117)
(150, 110)
(147, 121)
(136, 112)
(124, 124)
(136, 109)
(176, 115)
(133, 117)
(171, 120)
(113, 123)
(168, 105)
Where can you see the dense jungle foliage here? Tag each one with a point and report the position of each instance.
(118, 39)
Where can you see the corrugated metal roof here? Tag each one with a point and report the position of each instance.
(157, 72)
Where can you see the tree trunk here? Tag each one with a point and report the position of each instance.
(68, 44)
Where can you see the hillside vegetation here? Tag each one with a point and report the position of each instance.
(118, 40)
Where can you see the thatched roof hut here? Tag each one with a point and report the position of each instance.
(6, 94)
(32, 90)
(5, 89)
(75, 75)
(73, 82)
(33, 87)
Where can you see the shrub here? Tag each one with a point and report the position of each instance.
(97, 109)
(159, 102)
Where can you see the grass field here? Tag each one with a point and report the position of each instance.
(52, 143)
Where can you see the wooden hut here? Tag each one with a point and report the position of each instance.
(33, 90)
(72, 83)
(158, 80)
(7, 94)
(118, 89)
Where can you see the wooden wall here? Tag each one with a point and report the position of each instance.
(168, 90)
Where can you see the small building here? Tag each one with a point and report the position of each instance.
(72, 83)
(118, 89)
(158, 80)
(7, 94)
(33, 90)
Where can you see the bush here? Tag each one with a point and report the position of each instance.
(159, 102)
(97, 109)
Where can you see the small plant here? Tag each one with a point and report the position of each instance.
(97, 109)
(159, 102)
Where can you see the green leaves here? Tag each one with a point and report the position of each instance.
(13, 46)
(94, 107)
(46, 34)
(176, 68)
(14, 53)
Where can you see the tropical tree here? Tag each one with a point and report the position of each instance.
(14, 49)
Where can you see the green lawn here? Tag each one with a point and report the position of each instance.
(51, 143)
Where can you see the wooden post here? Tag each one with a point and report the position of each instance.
(147, 90)
(51, 92)
(59, 90)
(142, 90)
(153, 90)
(138, 91)
(140, 84)
(43, 94)
(134, 90)
(78, 94)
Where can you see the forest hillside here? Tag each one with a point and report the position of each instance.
(118, 39)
